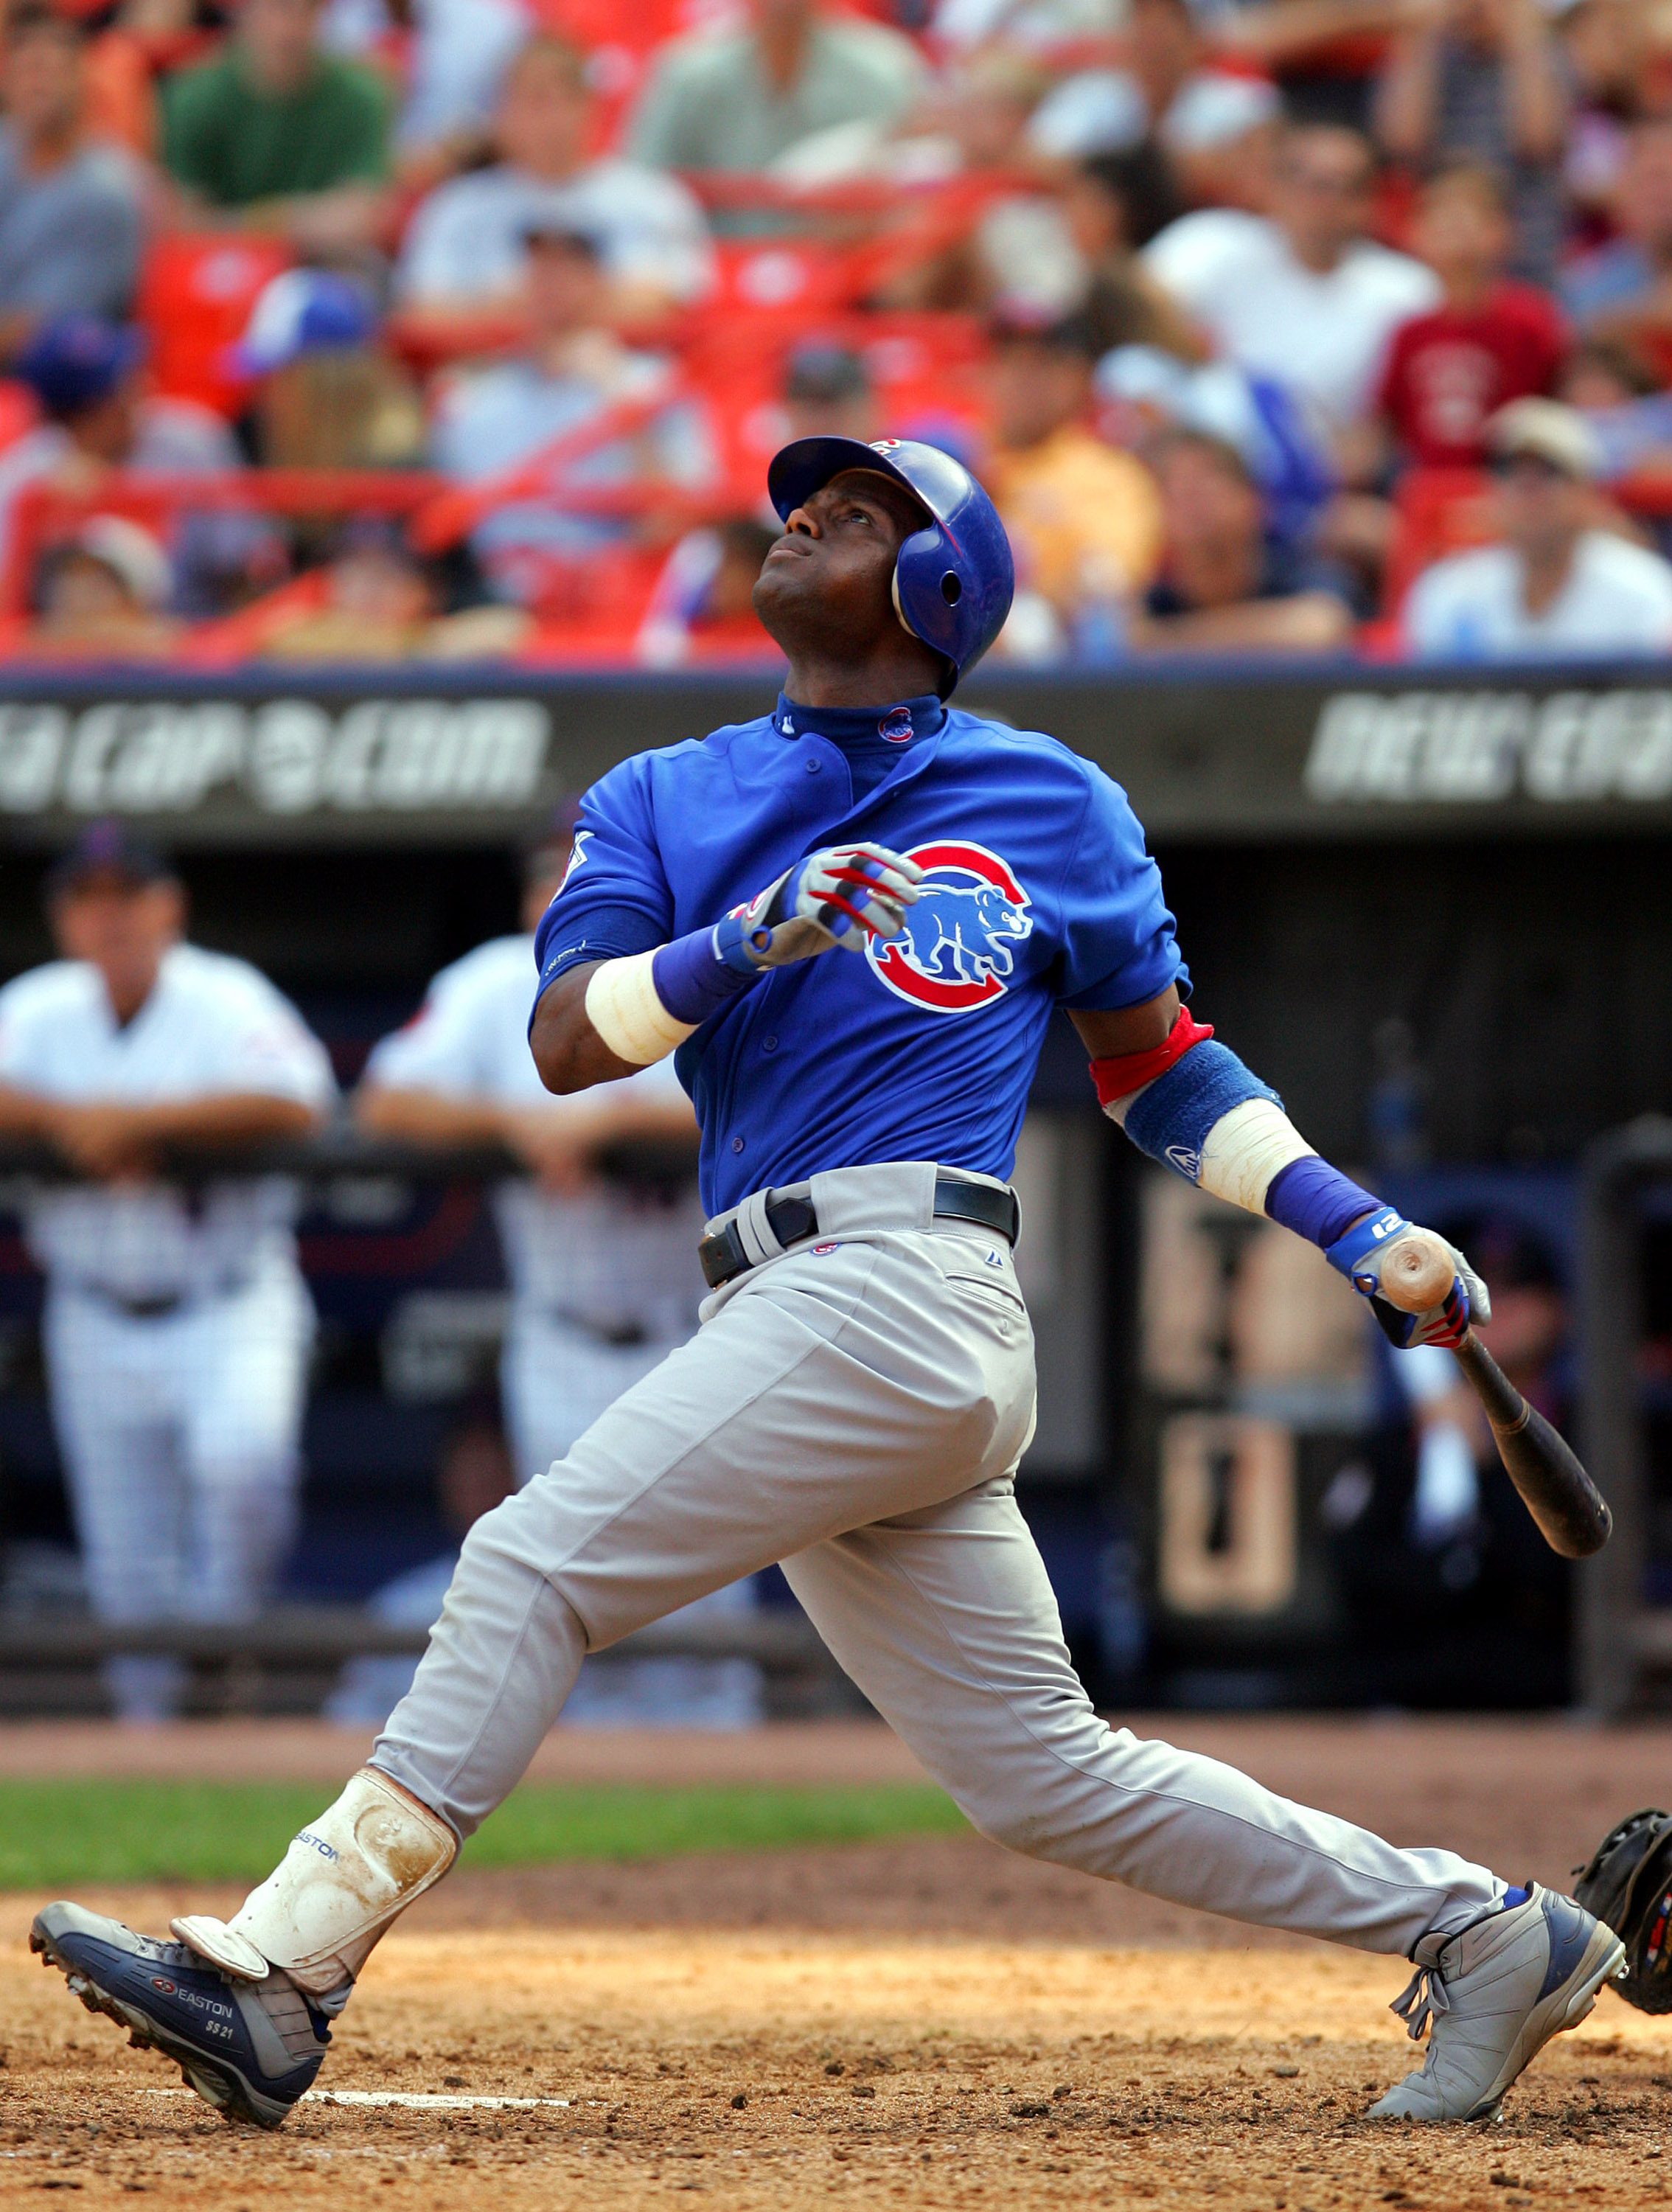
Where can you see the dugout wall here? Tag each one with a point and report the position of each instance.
(1432, 908)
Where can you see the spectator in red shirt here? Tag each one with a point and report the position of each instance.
(1490, 341)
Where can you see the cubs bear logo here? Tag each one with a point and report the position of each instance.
(897, 726)
(957, 948)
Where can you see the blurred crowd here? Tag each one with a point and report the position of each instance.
(368, 329)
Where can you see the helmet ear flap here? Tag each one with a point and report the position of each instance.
(927, 611)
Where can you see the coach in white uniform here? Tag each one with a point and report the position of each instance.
(177, 1325)
(605, 1282)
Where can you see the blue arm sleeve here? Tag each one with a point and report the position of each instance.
(1318, 1202)
(1118, 948)
(1170, 1118)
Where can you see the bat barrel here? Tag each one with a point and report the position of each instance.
(1571, 1514)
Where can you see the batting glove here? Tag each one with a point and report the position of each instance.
(843, 895)
(1358, 1256)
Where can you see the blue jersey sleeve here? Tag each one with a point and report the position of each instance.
(1118, 948)
(615, 898)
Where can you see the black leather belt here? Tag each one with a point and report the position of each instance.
(790, 1219)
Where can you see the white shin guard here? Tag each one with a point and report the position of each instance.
(338, 1887)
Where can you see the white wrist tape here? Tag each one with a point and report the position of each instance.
(335, 1891)
(621, 1006)
(1244, 1151)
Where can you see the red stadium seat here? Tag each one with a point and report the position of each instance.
(793, 277)
(590, 611)
(245, 635)
(195, 298)
(19, 412)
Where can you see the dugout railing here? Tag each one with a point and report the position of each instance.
(1625, 1621)
(50, 1652)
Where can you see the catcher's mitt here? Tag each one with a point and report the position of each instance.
(1628, 1884)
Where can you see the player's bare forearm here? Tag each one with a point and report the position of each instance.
(233, 1117)
(26, 1113)
(428, 1117)
(1106, 1033)
(110, 1137)
(568, 1050)
(611, 1118)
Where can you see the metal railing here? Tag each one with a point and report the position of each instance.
(312, 1639)
(318, 1636)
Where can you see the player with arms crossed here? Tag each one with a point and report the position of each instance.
(852, 918)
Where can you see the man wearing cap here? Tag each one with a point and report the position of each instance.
(1557, 583)
(828, 392)
(176, 1324)
(89, 379)
(572, 369)
(105, 592)
(604, 1282)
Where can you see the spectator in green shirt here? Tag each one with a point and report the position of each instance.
(735, 100)
(276, 135)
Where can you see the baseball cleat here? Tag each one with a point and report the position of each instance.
(248, 2048)
(1491, 1997)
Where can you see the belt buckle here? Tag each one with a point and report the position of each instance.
(722, 1257)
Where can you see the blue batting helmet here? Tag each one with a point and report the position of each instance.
(952, 580)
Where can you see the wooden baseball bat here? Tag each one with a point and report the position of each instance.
(1570, 1512)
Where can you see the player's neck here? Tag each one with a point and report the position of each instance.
(883, 679)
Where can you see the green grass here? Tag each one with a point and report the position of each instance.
(54, 1835)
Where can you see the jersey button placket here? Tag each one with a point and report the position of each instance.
(737, 1143)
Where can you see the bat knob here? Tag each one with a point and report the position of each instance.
(1416, 1271)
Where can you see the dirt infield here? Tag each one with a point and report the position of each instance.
(929, 2022)
(769, 2070)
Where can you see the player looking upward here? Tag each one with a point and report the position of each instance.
(851, 919)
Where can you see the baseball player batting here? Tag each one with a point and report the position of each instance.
(851, 920)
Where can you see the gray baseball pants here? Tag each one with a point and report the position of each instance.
(855, 1409)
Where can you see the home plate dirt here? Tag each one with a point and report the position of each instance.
(920, 2022)
(779, 2069)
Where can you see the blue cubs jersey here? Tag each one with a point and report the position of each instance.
(1037, 892)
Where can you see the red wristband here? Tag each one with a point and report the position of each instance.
(1123, 1072)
